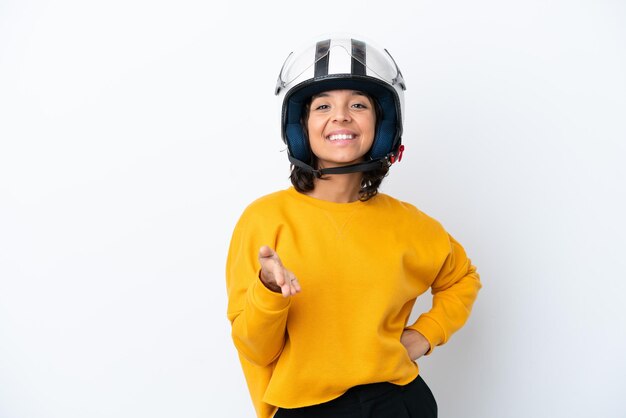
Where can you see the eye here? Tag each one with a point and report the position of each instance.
(320, 107)
(360, 106)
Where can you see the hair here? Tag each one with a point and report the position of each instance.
(304, 180)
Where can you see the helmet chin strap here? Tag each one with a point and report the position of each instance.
(352, 168)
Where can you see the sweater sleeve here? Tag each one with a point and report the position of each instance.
(258, 316)
(454, 290)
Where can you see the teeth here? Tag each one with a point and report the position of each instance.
(340, 136)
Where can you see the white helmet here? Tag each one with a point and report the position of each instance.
(342, 62)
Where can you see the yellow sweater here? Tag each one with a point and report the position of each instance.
(361, 266)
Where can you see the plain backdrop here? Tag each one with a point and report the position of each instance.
(133, 133)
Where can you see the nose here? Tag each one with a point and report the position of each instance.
(341, 114)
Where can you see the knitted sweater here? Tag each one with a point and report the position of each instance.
(361, 266)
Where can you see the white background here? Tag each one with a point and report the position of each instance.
(133, 133)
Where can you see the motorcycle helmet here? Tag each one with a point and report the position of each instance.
(342, 62)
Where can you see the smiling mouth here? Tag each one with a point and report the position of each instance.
(338, 137)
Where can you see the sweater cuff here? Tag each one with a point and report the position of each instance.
(266, 300)
(431, 330)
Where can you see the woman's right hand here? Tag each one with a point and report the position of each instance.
(275, 276)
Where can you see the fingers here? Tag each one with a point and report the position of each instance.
(288, 285)
(279, 277)
(287, 281)
(294, 284)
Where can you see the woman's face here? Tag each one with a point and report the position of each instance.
(341, 127)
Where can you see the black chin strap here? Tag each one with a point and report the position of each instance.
(352, 168)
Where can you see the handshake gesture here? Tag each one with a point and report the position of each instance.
(275, 276)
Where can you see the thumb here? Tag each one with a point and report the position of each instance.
(266, 252)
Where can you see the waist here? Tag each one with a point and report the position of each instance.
(355, 396)
(364, 393)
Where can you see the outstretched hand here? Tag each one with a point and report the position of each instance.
(275, 276)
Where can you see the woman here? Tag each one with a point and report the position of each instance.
(322, 276)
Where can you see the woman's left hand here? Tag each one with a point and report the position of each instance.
(415, 343)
